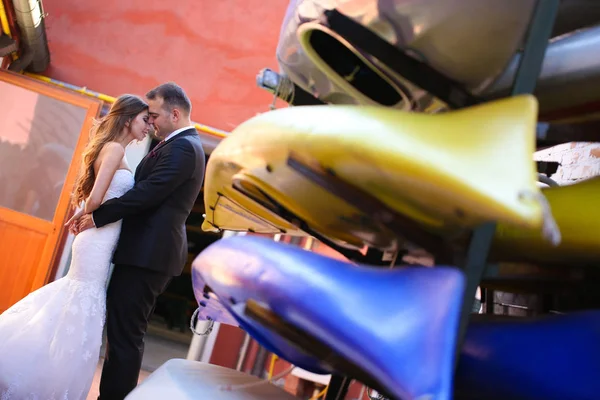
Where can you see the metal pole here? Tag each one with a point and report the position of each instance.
(198, 342)
(474, 268)
(534, 52)
(243, 353)
(209, 343)
(201, 347)
(258, 368)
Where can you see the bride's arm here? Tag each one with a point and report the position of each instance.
(110, 158)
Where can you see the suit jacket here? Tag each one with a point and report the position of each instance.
(155, 210)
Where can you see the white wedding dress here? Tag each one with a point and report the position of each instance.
(50, 340)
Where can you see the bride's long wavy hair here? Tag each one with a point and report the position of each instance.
(104, 130)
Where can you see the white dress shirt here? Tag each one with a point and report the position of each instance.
(178, 131)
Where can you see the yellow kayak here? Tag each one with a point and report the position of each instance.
(576, 211)
(444, 171)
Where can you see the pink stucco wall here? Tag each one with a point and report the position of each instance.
(212, 48)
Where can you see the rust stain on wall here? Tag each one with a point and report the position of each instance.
(212, 49)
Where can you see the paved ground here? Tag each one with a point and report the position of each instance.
(161, 345)
(93, 395)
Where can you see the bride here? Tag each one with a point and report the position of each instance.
(50, 340)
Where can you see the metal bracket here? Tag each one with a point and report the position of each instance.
(538, 35)
(338, 387)
(474, 266)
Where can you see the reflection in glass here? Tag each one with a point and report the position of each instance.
(38, 135)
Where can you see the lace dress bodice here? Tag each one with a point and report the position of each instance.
(121, 183)
(93, 248)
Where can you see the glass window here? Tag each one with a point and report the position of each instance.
(38, 135)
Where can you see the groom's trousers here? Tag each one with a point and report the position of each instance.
(130, 300)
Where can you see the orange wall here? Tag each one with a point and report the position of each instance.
(213, 49)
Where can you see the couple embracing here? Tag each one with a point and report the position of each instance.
(50, 340)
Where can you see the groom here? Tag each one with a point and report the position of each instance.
(152, 247)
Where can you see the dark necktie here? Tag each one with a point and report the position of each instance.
(155, 149)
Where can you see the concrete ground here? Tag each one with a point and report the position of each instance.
(93, 394)
(161, 345)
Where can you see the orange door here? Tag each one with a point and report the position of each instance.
(43, 130)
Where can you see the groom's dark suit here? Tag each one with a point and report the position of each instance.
(151, 250)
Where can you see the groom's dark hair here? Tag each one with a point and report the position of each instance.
(173, 96)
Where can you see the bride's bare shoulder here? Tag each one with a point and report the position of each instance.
(112, 149)
(112, 152)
